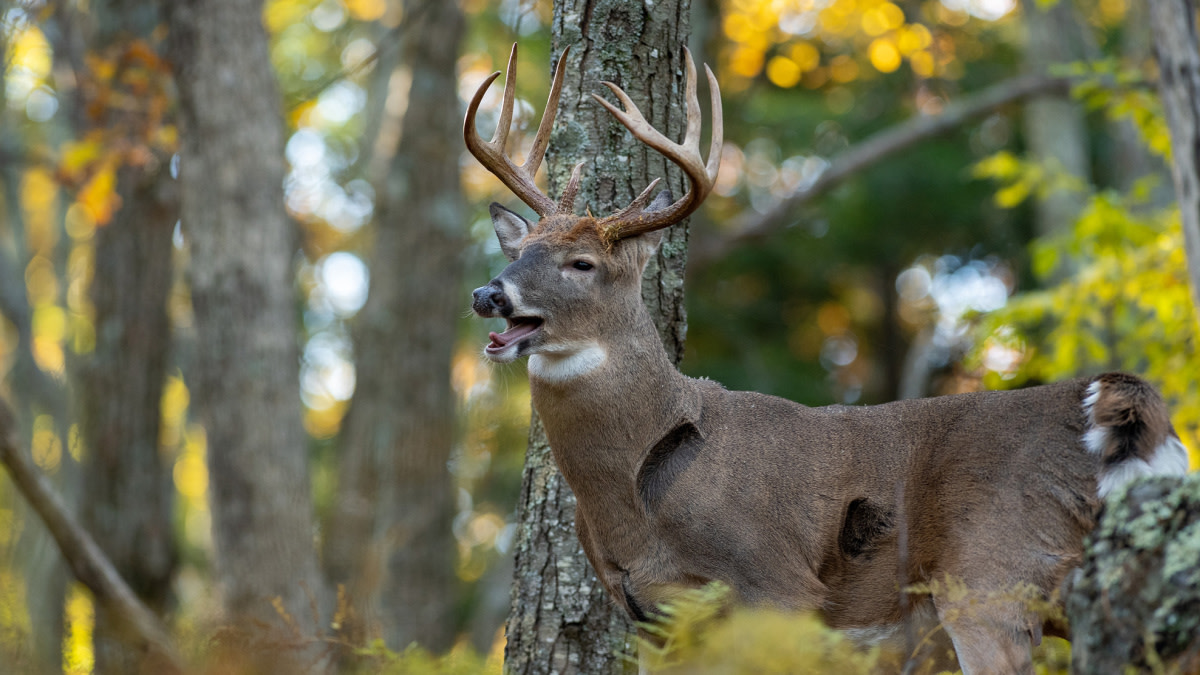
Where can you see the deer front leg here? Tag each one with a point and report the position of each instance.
(990, 640)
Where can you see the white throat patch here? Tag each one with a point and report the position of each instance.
(567, 364)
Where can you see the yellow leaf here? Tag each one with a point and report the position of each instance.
(884, 55)
(1044, 260)
(78, 155)
(783, 72)
(1012, 195)
(80, 618)
(30, 54)
(99, 195)
(49, 322)
(191, 476)
(805, 55)
(166, 137)
(365, 10)
(1002, 165)
(279, 14)
(910, 39)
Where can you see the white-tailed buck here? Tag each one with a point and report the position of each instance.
(680, 482)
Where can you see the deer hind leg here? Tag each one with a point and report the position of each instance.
(988, 640)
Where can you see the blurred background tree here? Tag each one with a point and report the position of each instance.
(389, 537)
(916, 198)
(126, 479)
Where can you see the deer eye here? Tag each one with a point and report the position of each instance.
(582, 265)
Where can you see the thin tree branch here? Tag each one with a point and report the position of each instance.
(89, 564)
(872, 151)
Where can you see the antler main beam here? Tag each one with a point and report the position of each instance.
(634, 219)
(519, 179)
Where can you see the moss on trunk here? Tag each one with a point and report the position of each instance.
(1136, 599)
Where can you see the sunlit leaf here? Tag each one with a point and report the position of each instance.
(1044, 259)
(1012, 195)
(783, 72)
(1002, 165)
(78, 658)
(99, 194)
(884, 55)
(365, 10)
(76, 157)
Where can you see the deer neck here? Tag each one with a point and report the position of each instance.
(622, 397)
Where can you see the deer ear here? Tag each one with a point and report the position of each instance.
(511, 228)
(649, 241)
(661, 201)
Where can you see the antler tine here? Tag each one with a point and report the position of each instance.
(566, 202)
(633, 219)
(504, 124)
(519, 179)
(542, 140)
(717, 143)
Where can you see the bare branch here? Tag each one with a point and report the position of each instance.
(872, 151)
(89, 564)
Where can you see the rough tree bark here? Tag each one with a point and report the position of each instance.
(245, 379)
(1173, 23)
(562, 621)
(126, 480)
(390, 539)
(1136, 599)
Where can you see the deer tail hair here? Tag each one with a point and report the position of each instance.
(1129, 428)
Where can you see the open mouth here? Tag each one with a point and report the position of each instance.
(518, 327)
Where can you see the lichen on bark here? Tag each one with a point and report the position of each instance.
(1135, 602)
(561, 619)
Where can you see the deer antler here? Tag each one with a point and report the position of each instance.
(520, 179)
(634, 219)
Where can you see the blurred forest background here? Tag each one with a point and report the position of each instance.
(265, 398)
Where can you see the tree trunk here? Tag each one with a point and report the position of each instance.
(390, 539)
(42, 571)
(245, 379)
(1131, 159)
(1135, 602)
(127, 481)
(1055, 129)
(1173, 23)
(562, 620)
(127, 485)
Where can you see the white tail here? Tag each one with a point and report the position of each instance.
(1128, 428)
(680, 482)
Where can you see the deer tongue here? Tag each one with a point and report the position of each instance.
(517, 331)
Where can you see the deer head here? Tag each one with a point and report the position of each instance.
(570, 274)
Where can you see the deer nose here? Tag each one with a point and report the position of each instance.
(489, 300)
